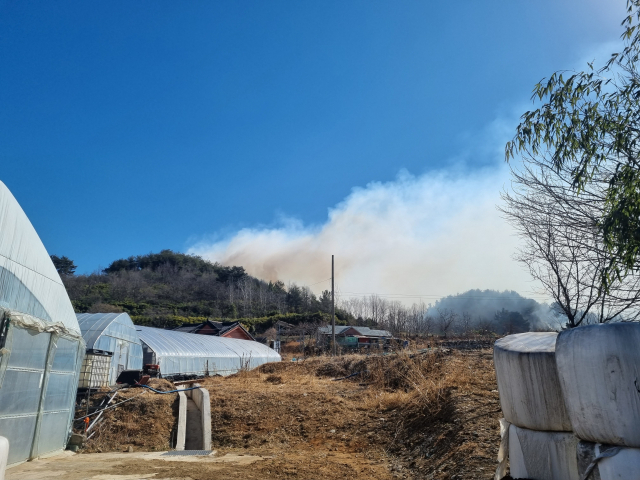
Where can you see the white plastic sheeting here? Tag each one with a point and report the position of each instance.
(41, 347)
(4, 455)
(115, 333)
(29, 283)
(599, 370)
(180, 353)
(542, 455)
(623, 464)
(530, 393)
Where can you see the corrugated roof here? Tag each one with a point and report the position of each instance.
(373, 333)
(339, 329)
(363, 331)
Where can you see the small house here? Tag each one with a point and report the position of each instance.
(354, 337)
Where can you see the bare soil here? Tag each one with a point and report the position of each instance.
(431, 416)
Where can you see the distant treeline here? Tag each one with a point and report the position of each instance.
(475, 311)
(170, 289)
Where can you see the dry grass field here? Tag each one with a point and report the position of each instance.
(432, 415)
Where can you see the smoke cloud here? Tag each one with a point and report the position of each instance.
(423, 236)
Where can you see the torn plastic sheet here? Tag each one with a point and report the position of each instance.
(503, 453)
(32, 323)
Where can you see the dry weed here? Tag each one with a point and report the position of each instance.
(147, 421)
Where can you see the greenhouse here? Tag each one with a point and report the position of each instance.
(41, 347)
(114, 333)
(189, 355)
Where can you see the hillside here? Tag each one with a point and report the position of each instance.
(168, 289)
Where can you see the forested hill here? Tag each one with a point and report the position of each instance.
(508, 308)
(168, 288)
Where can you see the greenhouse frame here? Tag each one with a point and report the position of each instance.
(114, 333)
(41, 347)
(182, 354)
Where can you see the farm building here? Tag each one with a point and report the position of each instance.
(355, 337)
(41, 347)
(218, 329)
(114, 333)
(182, 354)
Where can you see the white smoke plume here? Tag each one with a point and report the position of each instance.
(425, 236)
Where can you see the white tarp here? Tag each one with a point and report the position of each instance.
(29, 283)
(530, 394)
(542, 455)
(599, 370)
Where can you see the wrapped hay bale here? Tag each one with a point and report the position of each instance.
(608, 462)
(542, 455)
(530, 393)
(599, 371)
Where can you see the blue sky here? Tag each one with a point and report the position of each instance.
(129, 127)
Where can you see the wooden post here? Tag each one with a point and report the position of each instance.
(333, 310)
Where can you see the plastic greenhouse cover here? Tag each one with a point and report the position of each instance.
(117, 325)
(40, 360)
(115, 333)
(29, 282)
(190, 353)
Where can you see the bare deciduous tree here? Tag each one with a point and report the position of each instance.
(446, 321)
(465, 324)
(563, 243)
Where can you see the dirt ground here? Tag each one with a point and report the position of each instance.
(427, 416)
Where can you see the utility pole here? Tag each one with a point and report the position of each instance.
(333, 311)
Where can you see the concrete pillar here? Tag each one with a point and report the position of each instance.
(182, 420)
